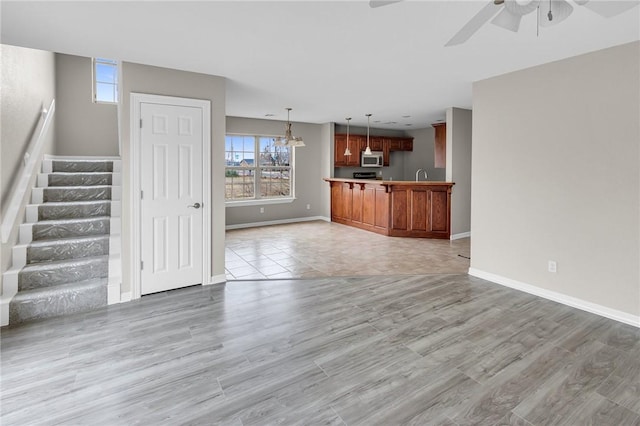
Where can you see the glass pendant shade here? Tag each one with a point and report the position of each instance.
(347, 151)
(368, 150)
(288, 139)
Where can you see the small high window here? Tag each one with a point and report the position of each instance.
(105, 80)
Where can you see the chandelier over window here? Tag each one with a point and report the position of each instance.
(288, 139)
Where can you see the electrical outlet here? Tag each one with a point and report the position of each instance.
(308, 206)
(552, 266)
(261, 209)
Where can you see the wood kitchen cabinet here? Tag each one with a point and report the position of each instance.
(394, 208)
(375, 143)
(355, 146)
(440, 145)
(358, 143)
(406, 144)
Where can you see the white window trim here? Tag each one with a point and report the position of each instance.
(265, 201)
(94, 91)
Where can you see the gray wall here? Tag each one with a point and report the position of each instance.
(83, 127)
(28, 84)
(458, 170)
(422, 156)
(161, 81)
(556, 177)
(309, 171)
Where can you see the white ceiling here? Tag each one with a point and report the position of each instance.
(326, 60)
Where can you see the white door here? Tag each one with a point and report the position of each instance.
(171, 149)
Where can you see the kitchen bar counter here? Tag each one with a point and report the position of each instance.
(395, 208)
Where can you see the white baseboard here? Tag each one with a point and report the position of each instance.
(217, 279)
(81, 157)
(574, 302)
(9, 290)
(277, 222)
(125, 297)
(460, 235)
(4, 310)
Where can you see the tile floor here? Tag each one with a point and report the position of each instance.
(321, 249)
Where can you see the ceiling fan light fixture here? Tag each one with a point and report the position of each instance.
(520, 7)
(507, 20)
(556, 12)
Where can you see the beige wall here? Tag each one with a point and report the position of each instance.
(28, 85)
(309, 171)
(556, 176)
(83, 127)
(161, 81)
(458, 170)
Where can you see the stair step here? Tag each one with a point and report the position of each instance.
(76, 193)
(77, 209)
(79, 179)
(67, 248)
(63, 299)
(82, 166)
(65, 228)
(54, 273)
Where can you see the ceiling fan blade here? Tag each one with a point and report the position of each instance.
(470, 28)
(610, 8)
(379, 3)
(507, 20)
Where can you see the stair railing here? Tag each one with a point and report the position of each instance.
(31, 160)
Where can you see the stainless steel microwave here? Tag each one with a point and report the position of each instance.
(375, 159)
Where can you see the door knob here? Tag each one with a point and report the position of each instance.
(195, 206)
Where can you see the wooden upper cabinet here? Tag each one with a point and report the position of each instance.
(400, 144)
(338, 153)
(395, 144)
(440, 145)
(358, 143)
(375, 143)
(355, 146)
(406, 144)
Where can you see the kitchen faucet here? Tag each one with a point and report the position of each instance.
(418, 173)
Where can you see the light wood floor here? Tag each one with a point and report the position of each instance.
(321, 249)
(431, 349)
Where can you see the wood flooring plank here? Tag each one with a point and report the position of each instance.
(623, 385)
(493, 403)
(566, 393)
(435, 349)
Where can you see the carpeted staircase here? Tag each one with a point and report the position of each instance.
(66, 242)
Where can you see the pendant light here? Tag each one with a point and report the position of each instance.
(347, 152)
(368, 150)
(288, 139)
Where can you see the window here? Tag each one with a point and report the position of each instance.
(105, 80)
(257, 169)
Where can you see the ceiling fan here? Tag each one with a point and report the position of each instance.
(508, 13)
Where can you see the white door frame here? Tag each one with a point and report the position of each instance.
(136, 100)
